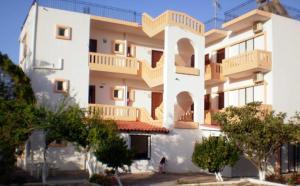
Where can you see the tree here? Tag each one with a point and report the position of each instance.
(214, 154)
(17, 121)
(21, 87)
(18, 115)
(256, 132)
(111, 149)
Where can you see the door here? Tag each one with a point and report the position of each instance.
(93, 45)
(207, 60)
(157, 98)
(221, 100)
(156, 55)
(220, 55)
(92, 94)
(207, 102)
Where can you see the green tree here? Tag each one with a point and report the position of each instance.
(214, 153)
(256, 132)
(21, 89)
(111, 150)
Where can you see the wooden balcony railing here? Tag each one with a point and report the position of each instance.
(113, 63)
(123, 113)
(213, 73)
(247, 63)
(153, 26)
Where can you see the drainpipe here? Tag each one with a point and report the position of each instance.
(125, 92)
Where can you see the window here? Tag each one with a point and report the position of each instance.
(117, 93)
(221, 100)
(92, 94)
(63, 32)
(93, 45)
(61, 86)
(207, 60)
(207, 102)
(141, 146)
(131, 50)
(130, 95)
(220, 55)
(118, 47)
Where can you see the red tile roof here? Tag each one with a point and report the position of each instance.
(137, 126)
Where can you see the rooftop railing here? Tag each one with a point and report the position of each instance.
(251, 5)
(214, 23)
(92, 9)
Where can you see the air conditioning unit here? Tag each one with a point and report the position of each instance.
(257, 27)
(258, 77)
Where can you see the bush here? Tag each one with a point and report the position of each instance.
(102, 180)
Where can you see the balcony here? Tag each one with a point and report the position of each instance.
(213, 74)
(113, 63)
(247, 63)
(123, 113)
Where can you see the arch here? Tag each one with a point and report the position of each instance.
(184, 107)
(185, 55)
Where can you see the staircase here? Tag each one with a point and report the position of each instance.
(159, 111)
(152, 76)
(153, 26)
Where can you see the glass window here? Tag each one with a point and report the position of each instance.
(242, 47)
(117, 94)
(63, 32)
(249, 95)
(242, 97)
(250, 45)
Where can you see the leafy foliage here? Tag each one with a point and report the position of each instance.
(111, 149)
(257, 133)
(214, 154)
(17, 121)
(21, 83)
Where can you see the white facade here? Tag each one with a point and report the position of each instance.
(51, 57)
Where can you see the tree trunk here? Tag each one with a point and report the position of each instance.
(44, 168)
(277, 167)
(218, 176)
(89, 165)
(117, 178)
(262, 174)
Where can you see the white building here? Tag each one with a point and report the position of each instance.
(151, 76)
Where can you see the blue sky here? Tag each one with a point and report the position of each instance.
(13, 12)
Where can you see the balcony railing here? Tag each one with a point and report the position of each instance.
(113, 63)
(122, 113)
(213, 73)
(249, 5)
(247, 63)
(153, 26)
(93, 9)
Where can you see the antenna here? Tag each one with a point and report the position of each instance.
(217, 6)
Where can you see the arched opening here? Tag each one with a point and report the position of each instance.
(184, 107)
(185, 55)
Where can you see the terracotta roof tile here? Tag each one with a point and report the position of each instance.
(137, 126)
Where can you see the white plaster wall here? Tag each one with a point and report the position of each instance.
(74, 53)
(28, 29)
(176, 83)
(104, 94)
(285, 58)
(144, 45)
